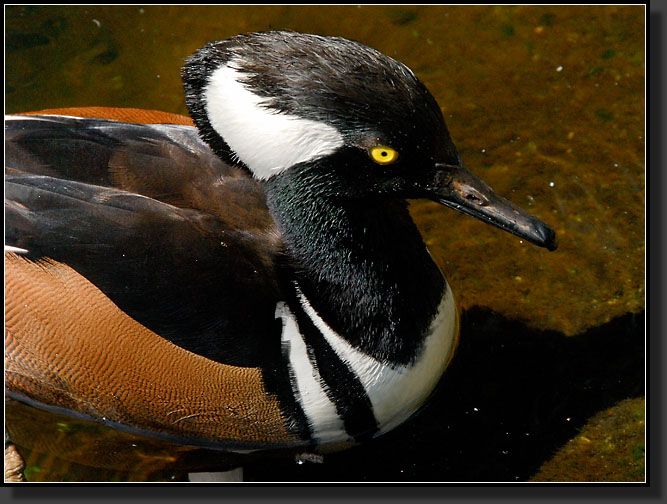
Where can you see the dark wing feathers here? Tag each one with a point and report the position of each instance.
(156, 221)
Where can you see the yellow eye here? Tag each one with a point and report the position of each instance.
(382, 154)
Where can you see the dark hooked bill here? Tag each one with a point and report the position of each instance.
(458, 188)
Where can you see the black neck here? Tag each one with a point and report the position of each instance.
(362, 264)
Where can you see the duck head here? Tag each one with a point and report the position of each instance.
(358, 122)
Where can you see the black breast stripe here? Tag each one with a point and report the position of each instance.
(341, 385)
(278, 380)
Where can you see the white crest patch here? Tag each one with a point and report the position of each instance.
(397, 391)
(324, 420)
(267, 141)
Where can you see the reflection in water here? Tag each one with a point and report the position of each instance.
(56, 447)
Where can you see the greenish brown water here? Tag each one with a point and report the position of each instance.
(545, 103)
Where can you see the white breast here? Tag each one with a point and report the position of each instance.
(397, 391)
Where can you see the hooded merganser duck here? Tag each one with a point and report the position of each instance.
(250, 283)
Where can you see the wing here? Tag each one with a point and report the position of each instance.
(177, 239)
(69, 349)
